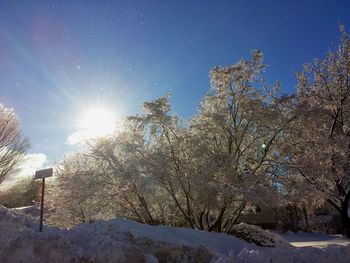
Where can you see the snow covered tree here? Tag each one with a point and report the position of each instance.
(73, 195)
(25, 192)
(127, 184)
(13, 145)
(319, 145)
(237, 132)
(226, 156)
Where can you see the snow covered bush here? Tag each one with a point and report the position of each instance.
(258, 236)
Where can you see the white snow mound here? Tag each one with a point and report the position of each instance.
(121, 240)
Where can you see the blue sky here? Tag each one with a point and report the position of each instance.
(60, 58)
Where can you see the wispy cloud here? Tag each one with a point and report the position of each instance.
(78, 137)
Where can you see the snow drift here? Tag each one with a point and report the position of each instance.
(121, 240)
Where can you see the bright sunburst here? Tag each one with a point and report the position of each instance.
(98, 121)
(95, 122)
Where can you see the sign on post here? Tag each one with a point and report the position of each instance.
(42, 174)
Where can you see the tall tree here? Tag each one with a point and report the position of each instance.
(319, 146)
(236, 136)
(13, 145)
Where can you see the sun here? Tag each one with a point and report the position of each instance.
(94, 123)
(97, 122)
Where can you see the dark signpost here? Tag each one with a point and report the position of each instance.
(42, 174)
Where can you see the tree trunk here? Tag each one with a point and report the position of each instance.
(305, 217)
(345, 216)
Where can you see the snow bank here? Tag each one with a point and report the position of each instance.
(103, 241)
(13, 224)
(32, 210)
(332, 254)
(121, 240)
(218, 243)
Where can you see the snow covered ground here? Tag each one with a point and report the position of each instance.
(302, 239)
(121, 240)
